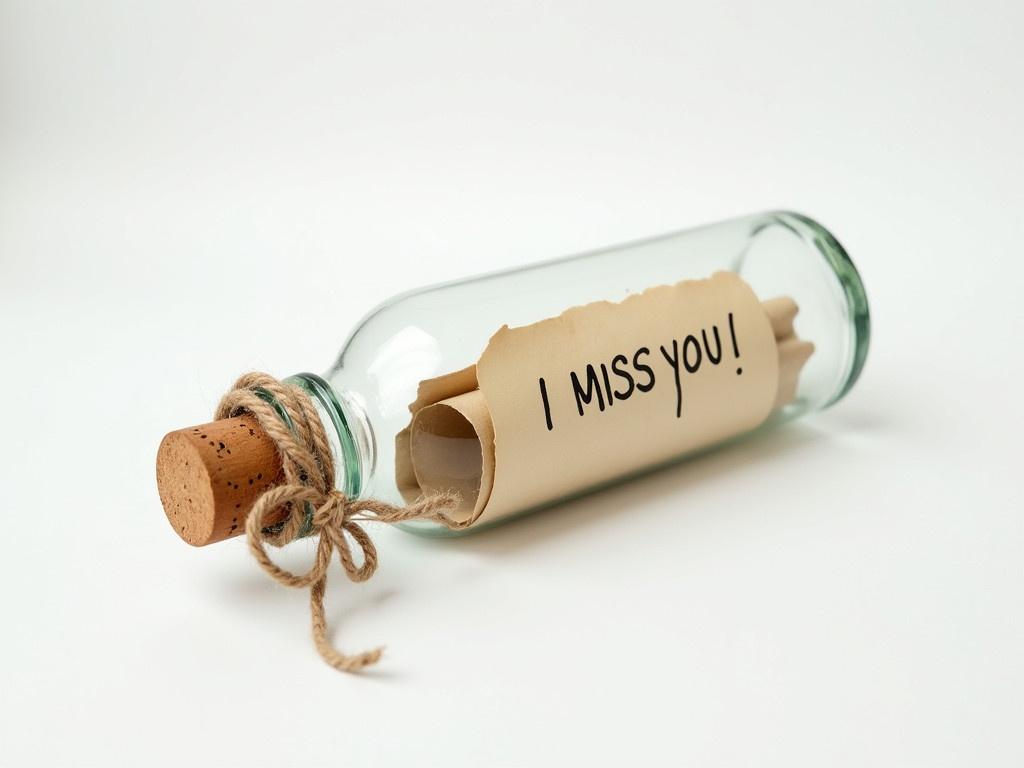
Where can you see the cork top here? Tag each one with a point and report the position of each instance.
(209, 476)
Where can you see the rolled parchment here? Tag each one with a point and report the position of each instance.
(449, 444)
(452, 449)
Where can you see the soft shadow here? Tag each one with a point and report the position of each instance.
(733, 459)
(260, 596)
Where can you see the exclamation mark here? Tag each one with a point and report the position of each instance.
(735, 344)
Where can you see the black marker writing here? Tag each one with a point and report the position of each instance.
(607, 385)
(691, 352)
(735, 344)
(626, 375)
(617, 362)
(673, 360)
(593, 387)
(645, 368)
(547, 405)
(717, 357)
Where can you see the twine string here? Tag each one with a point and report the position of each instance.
(336, 519)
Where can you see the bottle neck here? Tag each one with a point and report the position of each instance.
(348, 432)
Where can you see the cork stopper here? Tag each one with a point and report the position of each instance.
(209, 477)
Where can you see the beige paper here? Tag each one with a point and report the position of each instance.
(600, 391)
(452, 449)
(430, 391)
(793, 353)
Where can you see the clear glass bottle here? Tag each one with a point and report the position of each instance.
(443, 328)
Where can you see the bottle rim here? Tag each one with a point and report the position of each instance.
(852, 288)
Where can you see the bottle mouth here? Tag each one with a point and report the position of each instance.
(823, 280)
(855, 300)
(348, 432)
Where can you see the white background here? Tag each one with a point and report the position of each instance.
(191, 190)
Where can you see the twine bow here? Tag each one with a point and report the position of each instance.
(308, 466)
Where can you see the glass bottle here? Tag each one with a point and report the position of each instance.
(435, 330)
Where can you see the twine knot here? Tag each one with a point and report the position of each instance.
(312, 506)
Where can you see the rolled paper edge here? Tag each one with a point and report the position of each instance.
(472, 407)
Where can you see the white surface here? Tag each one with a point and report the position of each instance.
(847, 591)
